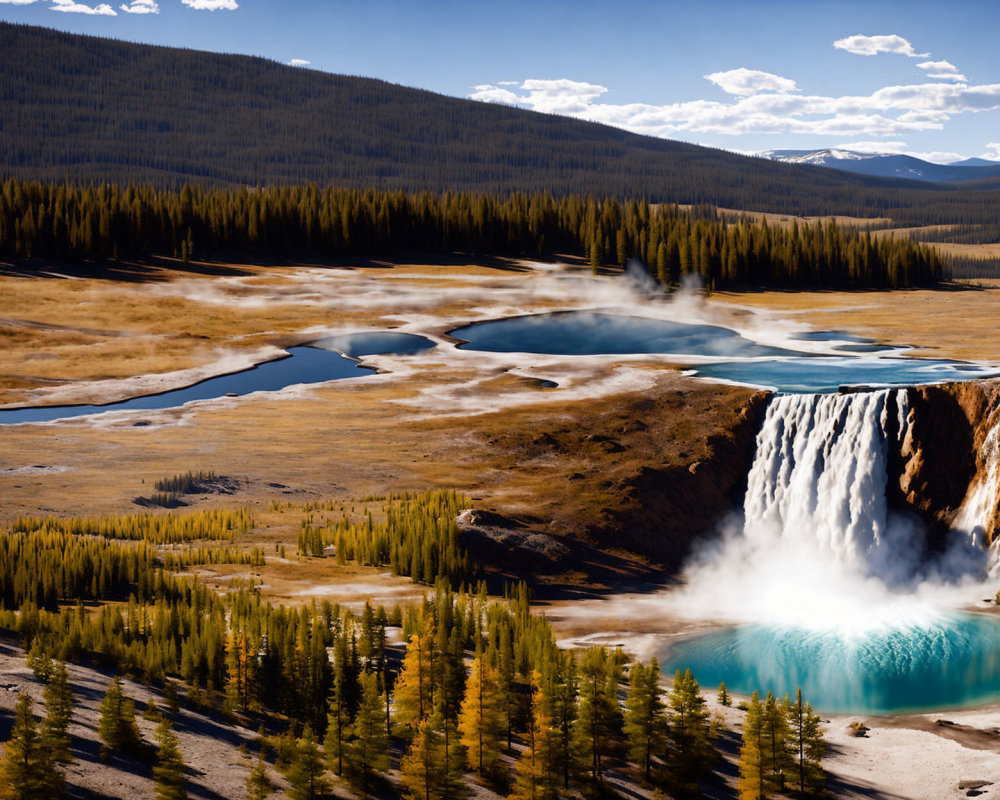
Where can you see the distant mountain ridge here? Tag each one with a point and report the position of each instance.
(889, 165)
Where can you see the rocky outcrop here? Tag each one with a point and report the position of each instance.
(942, 457)
(669, 508)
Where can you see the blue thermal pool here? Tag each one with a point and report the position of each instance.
(950, 662)
(589, 333)
(829, 373)
(382, 343)
(316, 363)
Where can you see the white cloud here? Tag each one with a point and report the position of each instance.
(72, 7)
(18, 2)
(889, 111)
(744, 82)
(141, 7)
(992, 151)
(299, 62)
(942, 69)
(212, 5)
(872, 45)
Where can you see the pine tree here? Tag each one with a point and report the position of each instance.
(724, 698)
(419, 770)
(27, 771)
(58, 711)
(687, 730)
(644, 715)
(169, 770)
(368, 750)
(480, 721)
(117, 726)
(752, 780)
(306, 771)
(598, 720)
(536, 774)
(807, 746)
(776, 741)
(258, 783)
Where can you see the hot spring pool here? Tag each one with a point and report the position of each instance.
(590, 333)
(327, 359)
(948, 662)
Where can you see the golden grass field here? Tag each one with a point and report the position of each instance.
(466, 423)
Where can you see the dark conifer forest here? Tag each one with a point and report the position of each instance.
(86, 109)
(64, 222)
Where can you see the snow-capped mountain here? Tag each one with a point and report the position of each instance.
(889, 165)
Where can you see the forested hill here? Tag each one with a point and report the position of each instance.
(85, 109)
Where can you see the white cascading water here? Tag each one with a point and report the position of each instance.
(819, 477)
(817, 545)
(980, 505)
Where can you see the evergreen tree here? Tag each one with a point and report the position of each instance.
(598, 722)
(117, 726)
(419, 769)
(644, 715)
(258, 783)
(752, 781)
(58, 711)
(169, 770)
(807, 747)
(27, 770)
(776, 741)
(480, 722)
(724, 698)
(687, 730)
(306, 771)
(368, 750)
(536, 774)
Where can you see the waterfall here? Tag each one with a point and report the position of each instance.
(820, 474)
(818, 545)
(979, 509)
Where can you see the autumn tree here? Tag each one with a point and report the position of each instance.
(753, 771)
(480, 722)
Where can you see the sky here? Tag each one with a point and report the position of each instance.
(914, 77)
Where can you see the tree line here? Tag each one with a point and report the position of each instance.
(68, 222)
(97, 110)
(481, 684)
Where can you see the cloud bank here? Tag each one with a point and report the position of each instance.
(762, 102)
(873, 45)
(71, 7)
(299, 62)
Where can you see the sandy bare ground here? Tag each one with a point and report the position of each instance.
(216, 768)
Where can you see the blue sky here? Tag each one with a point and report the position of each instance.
(916, 77)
